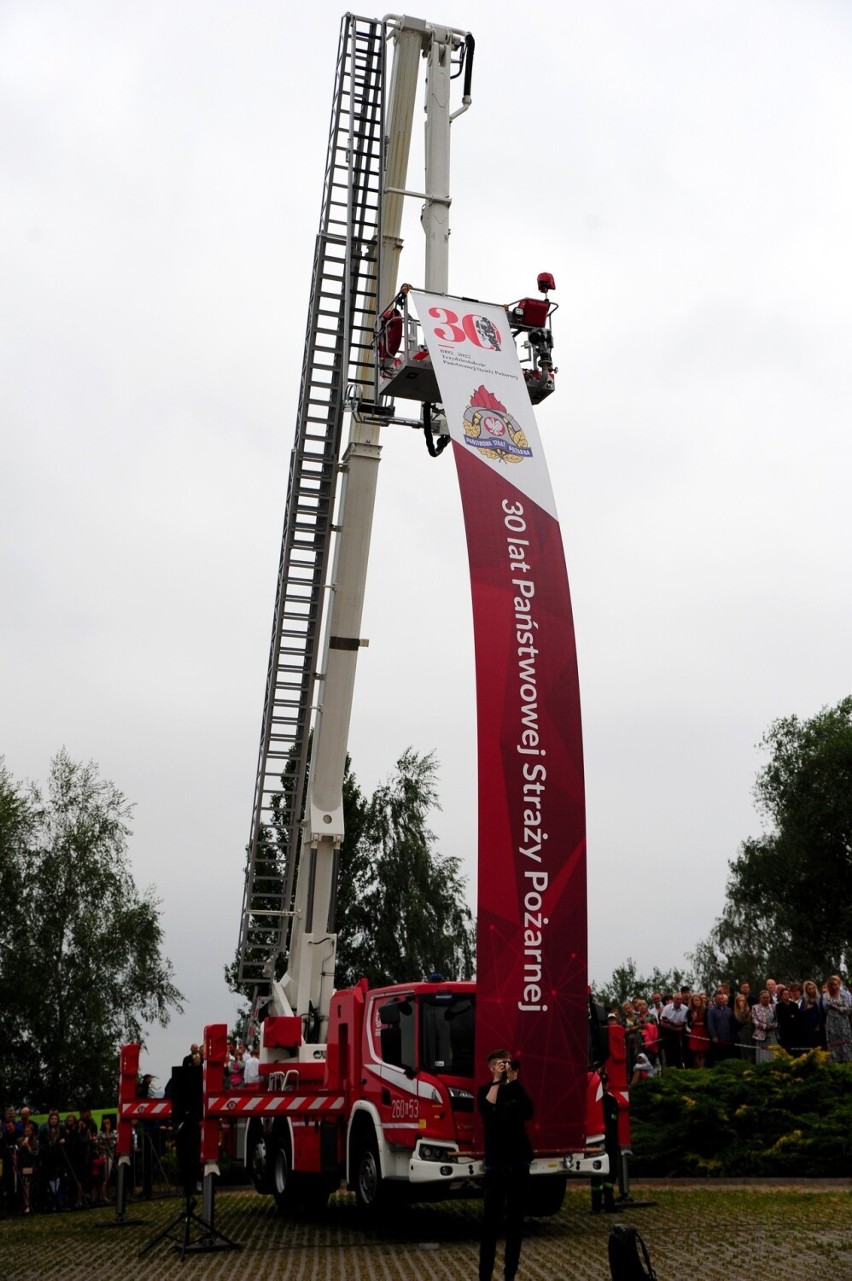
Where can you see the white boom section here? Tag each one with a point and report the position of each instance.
(307, 987)
(435, 217)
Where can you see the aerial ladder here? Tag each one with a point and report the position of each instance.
(290, 918)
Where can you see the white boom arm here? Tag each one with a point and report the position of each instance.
(307, 987)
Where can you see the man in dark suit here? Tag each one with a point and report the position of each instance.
(505, 1107)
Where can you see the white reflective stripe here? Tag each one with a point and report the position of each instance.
(313, 1105)
(272, 1103)
(400, 1125)
(396, 1078)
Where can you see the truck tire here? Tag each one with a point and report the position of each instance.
(545, 1196)
(370, 1187)
(258, 1158)
(281, 1161)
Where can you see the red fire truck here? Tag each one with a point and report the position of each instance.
(376, 1088)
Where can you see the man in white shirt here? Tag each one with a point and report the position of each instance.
(251, 1069)
(673, 1028)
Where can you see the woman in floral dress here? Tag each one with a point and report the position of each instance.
(763, 1027)
(838, 1030)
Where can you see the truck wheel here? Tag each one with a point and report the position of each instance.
(369, 1185)
(259, 1158)
(282, 1175)
(545, 1196)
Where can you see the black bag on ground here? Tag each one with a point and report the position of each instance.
(624, 1261)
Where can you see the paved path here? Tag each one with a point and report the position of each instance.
(693, 1234)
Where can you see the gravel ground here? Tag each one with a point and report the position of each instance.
(693, 1233)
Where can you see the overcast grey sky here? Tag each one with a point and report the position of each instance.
(684, 171)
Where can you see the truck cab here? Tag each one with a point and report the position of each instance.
(412, 1114)
(411, 1082)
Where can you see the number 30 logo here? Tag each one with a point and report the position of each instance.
(471, 327)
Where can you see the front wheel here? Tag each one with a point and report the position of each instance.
(282, 1175)
(368, 1175)
(372, 1192)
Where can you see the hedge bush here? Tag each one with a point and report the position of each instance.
(788, 1118)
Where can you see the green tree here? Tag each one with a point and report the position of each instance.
(626, 983)
(81, 967)
(400, 910)
(404, 905)
(787, 908)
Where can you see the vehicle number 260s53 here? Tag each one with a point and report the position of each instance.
(405, 1109)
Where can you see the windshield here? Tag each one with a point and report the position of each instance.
(446, 1039)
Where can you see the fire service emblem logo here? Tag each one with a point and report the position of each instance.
(491, 430)
(488, 335)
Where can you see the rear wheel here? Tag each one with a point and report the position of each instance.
(307, 1193)
(259, 1158)
(282, 1174)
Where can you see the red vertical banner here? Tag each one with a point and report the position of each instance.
(531, 899)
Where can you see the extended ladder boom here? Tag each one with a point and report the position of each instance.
(289, 898)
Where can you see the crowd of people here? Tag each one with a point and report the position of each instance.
(58, 1165)
(241, 1067)
(69, 1164)
(692, 1029)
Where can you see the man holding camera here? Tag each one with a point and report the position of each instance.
(505, 1107)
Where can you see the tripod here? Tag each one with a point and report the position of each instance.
(180, 1232)
(180, 1229)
